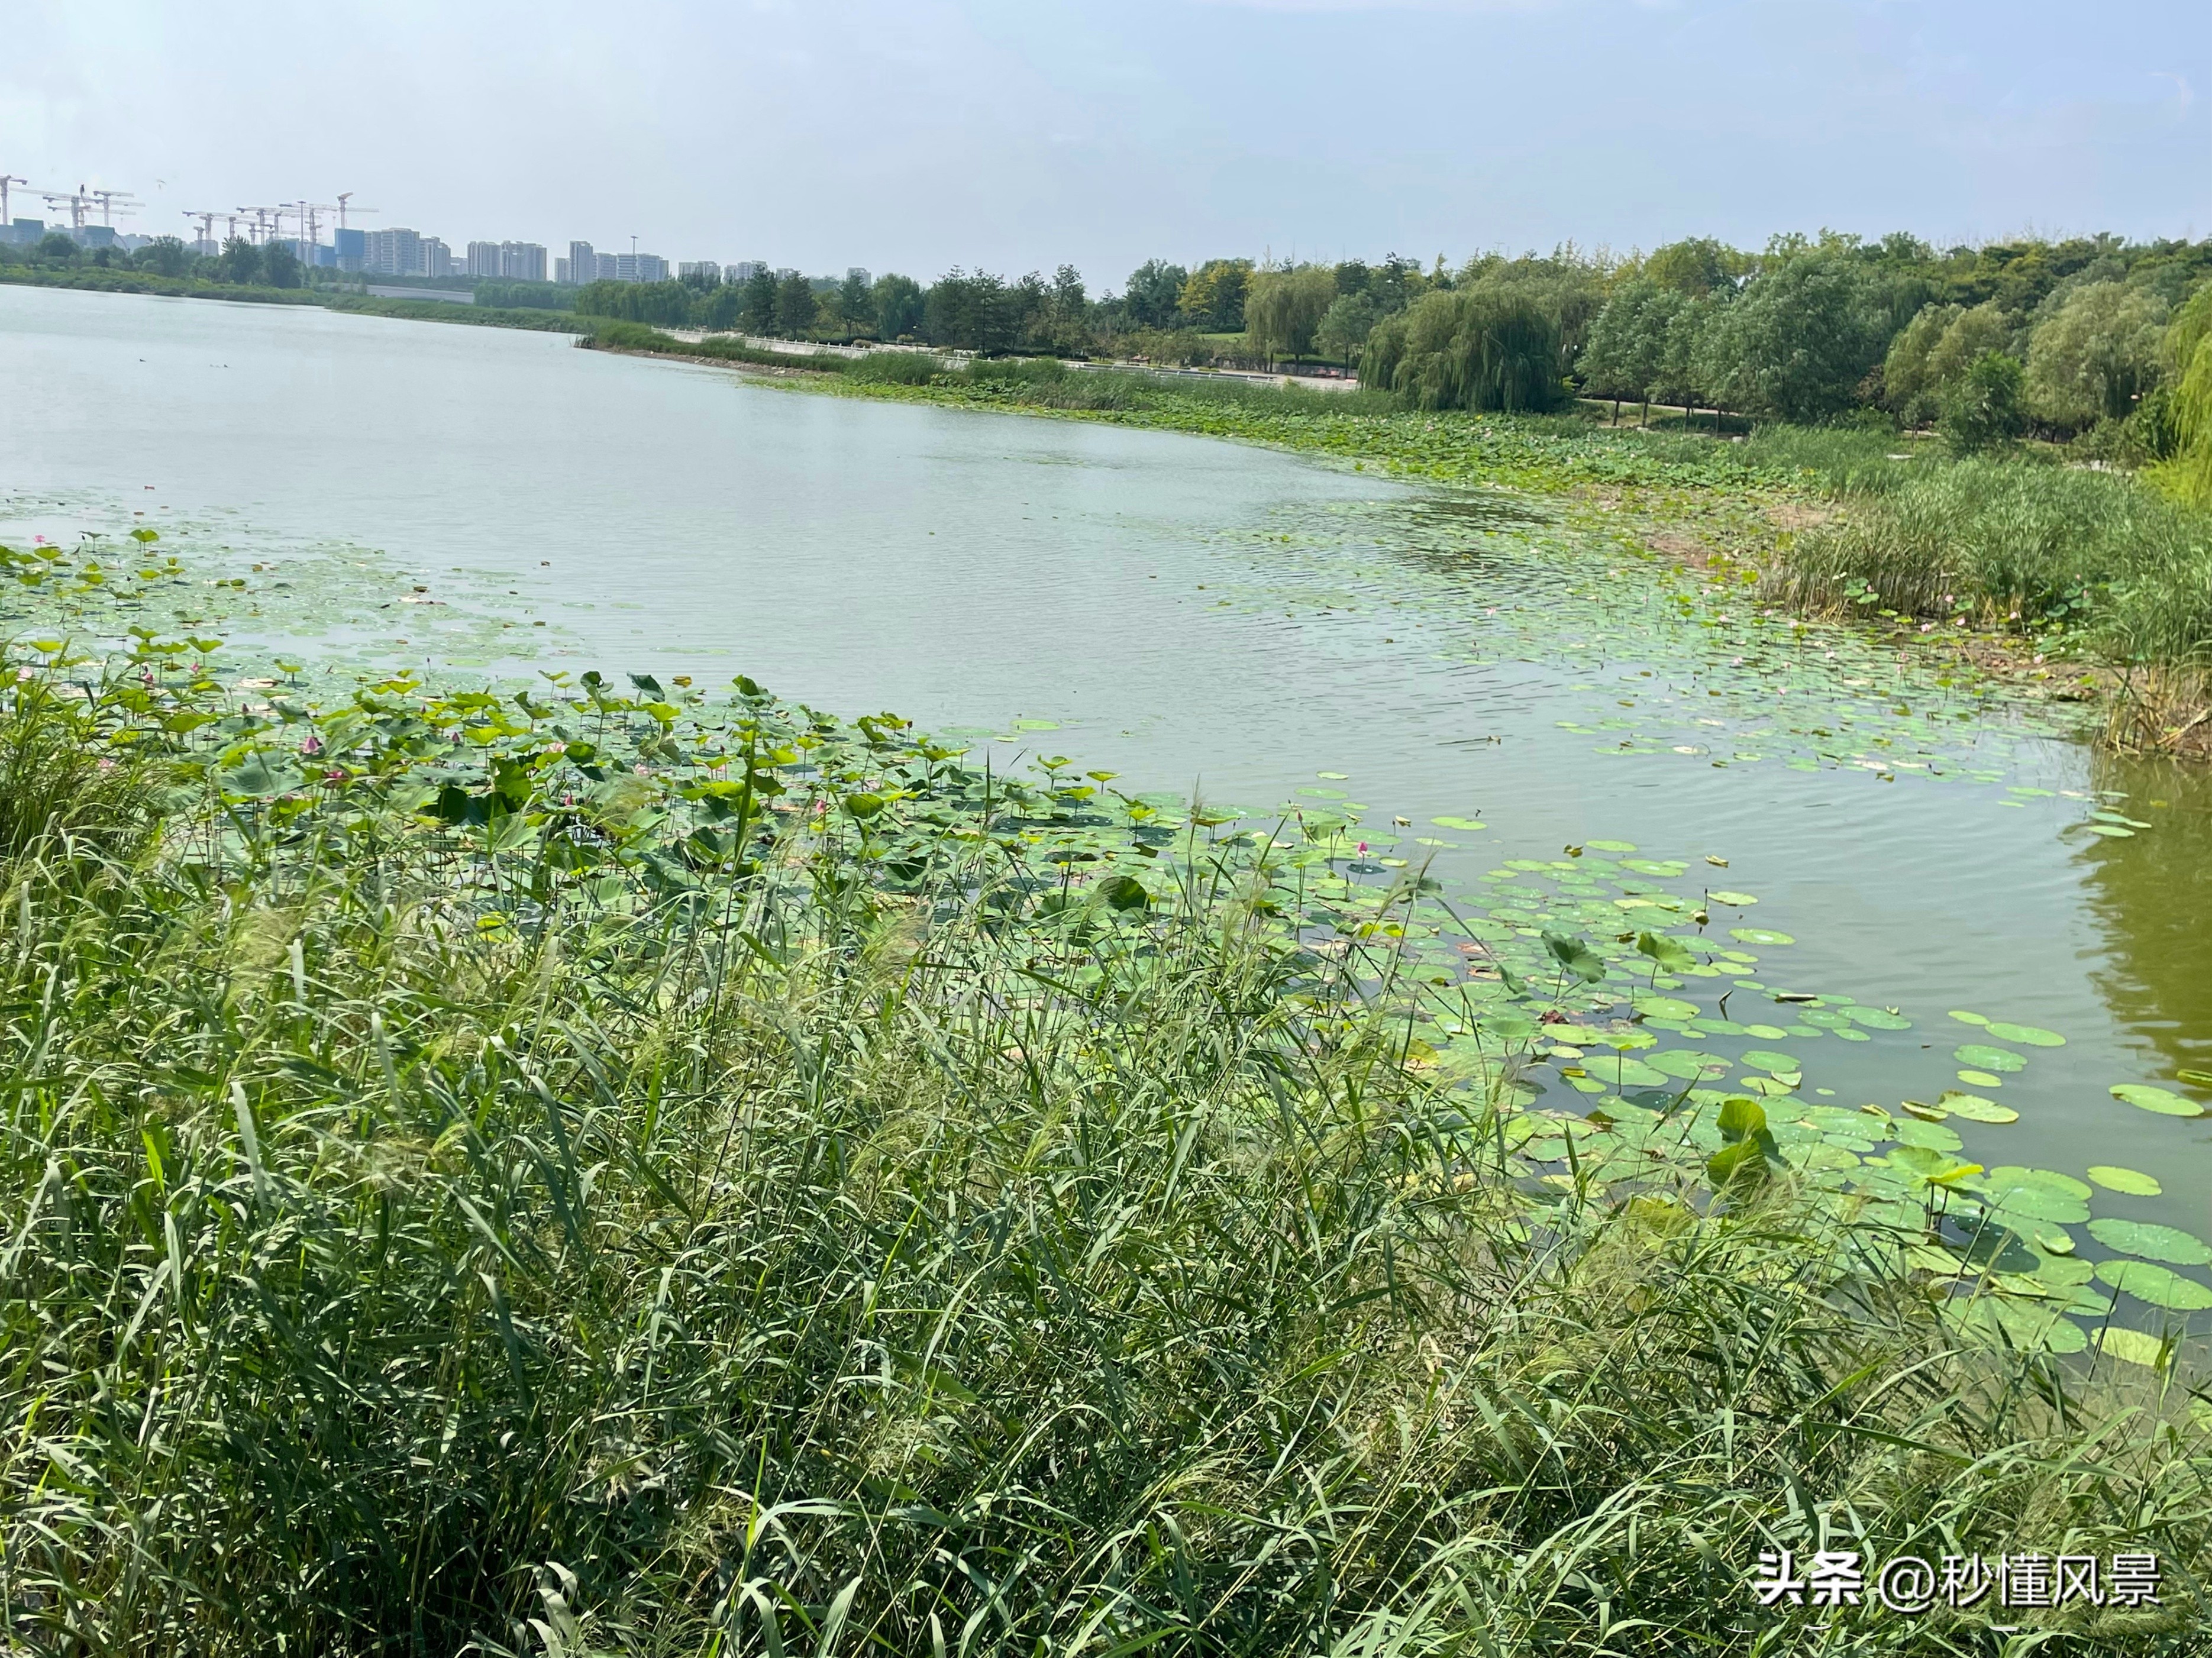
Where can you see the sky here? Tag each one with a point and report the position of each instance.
(1018, 135)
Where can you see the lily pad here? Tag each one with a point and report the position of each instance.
(2028, 1035)
(2135, 1346)
(1766, 1059)
(1735, 899)
(1759, 935)
(2142, 1237)
(1974, 1109)
(2135, 1183)
(1877, 1018)
(1980, 1056)
(1467, 823)
(1981, 1080)
(1610, 846)
(2161, 1286)
(1688, 1065)
(2165, 1103)
(1965, 1018)
(1666, 1007)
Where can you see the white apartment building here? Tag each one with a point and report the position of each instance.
(394, 252)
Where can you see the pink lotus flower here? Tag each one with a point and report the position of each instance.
(312, 746)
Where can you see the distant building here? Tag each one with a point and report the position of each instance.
(745, 270)
(437, 257)
(350, 248)
(522, 261)
(564, 272)
(784, 273)
(583, 264)
(395, 253)
(860, 273)
(483, 259)
(608, 267)
(23, 232)
(706, 268)
(94, 235)
(639, 268)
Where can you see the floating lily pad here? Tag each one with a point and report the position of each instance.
(1666, 1007)
(1759, 935)
(1877, 1018)
(2161, 1286)
(1980, 1056)
(1965, 1018)
(1766, 1059)
(2028, 1035)
(1688, 1065)
(1467, 823)
(1736, 900)
(2142, 1237)
(1981, 1080)
(2135, 1183)
(1974, 1109)
(2135, 1346)
(1610, 846)
(1765, 1033)
(2165, 1103)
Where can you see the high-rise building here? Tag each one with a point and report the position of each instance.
(745, 270)
(437, 257)
(522, 261)
(638, 267)
(706, 268)
(608, 267)
(583, 264)
(352, 249)
(564, 272)
(860, 273)
(483, 259)
(394, 252)
(784, 273)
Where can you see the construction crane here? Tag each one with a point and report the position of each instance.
(75, 202)
(112, 202)
(207, 225)
(345, 197)
(7, 178)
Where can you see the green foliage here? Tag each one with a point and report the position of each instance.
(1475, 348)
(2091, 358)
(661, 305)
(1934, 351)
(280, 266)
(165, 256)
(1284, 310)
(1985, 408)
(526, 296)
(1213, 296)
(240, 261)
(2188, 356)
(796, 308)
(1798, 341)
(1153, 293)
(898, 306)
(674, 1174)
(1344, 327)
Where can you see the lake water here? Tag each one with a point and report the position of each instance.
(1193, 615)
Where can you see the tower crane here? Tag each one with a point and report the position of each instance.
(112, 202)
(206, 224)
(75, 202)
(7, 178)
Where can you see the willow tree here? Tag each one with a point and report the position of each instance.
(2189, 352)
(1282, 309)
(1470, 347)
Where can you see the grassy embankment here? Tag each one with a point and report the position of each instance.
(2048, 563)
(631, 1173)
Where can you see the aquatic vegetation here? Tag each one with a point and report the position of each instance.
(635, 1167)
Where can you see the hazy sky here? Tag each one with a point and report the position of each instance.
(1017, 134)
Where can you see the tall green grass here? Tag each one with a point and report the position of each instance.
(453, 1205)
(2098, 555)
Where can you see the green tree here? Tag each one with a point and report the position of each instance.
(55, 248)
(1213, 297)
(757, 314)
(2189, 361)
(796, 309)
(1984, 409)
(1283, 308)
(967, 311)
(240, 261)
(2091, 358)
(898, 305)
(1345, 327)
(1153, 293)
(280, 266)
(165, 256)
(1695, 268)
(856, 310)
(1799, 339)
(1472, 348)
(1625, 355)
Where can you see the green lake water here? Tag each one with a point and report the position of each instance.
(1197, 616)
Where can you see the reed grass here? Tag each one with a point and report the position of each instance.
(453, 1207)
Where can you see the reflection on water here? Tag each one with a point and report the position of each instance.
(2152, 892)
